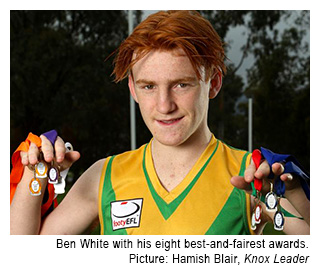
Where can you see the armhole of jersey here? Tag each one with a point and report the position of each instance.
(245, 162)
(101, 184)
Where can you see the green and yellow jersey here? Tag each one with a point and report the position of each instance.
(133, 201)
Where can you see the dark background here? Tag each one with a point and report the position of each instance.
(60, 79)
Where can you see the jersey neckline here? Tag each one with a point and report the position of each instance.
(168, 201)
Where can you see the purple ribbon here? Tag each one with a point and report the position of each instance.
(51, 136)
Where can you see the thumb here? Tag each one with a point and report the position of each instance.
(70, 158)
(240, 183)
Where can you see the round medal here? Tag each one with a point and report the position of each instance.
(53, 175)
(253, 222)
(271, 202)
(278, 221)
(35, 187)
(41, 169)
(257, 214)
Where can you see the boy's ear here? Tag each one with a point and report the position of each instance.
(131, 88)
(215, 84)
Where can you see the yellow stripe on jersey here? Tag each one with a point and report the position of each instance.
(203, 202)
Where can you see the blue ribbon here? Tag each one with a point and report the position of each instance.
(292, 166)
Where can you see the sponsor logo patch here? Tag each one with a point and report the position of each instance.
(125, 214)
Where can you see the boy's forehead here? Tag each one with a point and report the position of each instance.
(172, 63)
(169, 53)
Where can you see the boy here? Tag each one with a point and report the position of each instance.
(185, 181)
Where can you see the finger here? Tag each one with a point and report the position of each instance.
(24, 158)
(240, 183)
(263, 170)
(277, 169)
(47, 149)
(70, 158)
(60, 149)
(286, 177)
(249, 172)
(33, 154)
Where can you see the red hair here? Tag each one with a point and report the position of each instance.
(169, 30)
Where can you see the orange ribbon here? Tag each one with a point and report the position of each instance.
(18, 168)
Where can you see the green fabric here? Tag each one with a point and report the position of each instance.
(168, 209)
(108, 195)
(230, 220)
(243, 164)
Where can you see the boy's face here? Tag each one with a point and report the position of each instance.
(172, 100)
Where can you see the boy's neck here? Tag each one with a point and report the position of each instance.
(173, 163)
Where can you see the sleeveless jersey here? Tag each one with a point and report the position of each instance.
(133, 201)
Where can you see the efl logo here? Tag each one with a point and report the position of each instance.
(125, 214)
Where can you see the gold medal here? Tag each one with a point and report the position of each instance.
(41, 169)
(35, 186)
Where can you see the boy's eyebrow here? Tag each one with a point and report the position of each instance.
(143, 81)
(178, 80)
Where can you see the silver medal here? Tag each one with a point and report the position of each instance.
(278, 221)
(253, 222)
(271, 200)
(53, 175)
(257, 214)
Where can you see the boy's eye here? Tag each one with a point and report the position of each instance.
(148, 87)
(182, 85)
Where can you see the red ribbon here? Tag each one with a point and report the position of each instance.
(256, 157)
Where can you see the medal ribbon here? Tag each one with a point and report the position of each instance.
(256, 157)
(51, 136)
(17, 172)
(292, 166)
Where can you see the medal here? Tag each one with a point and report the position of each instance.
(53, 174)
(271, 200)
(35, 186)
(256, 157)
(59, 188)
(41, 168)
(253, 222)
(257, 213)
(278, 219)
